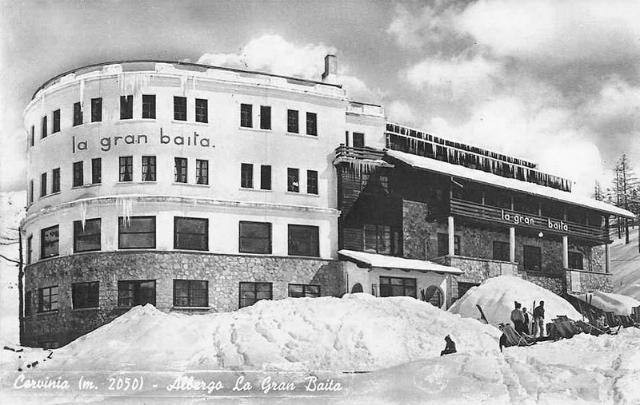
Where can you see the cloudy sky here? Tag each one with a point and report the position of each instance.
(553, 81)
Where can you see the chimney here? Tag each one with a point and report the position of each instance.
(330, 74)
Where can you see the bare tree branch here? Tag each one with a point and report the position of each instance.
(9, 259)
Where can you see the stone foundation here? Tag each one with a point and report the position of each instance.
(224, 273)
(588, 281)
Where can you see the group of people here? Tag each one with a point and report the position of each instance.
(522, 322)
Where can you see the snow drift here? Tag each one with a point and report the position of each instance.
(496, 296)
(356, 332)
(609, 302)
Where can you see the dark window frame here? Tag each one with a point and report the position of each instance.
(202, 110)
(136, 299)
(576, 260)
(358, 140)
(85, 295)
(457, 244)
(293, 246)
(312, 182)
(265, 177)
(176, 239)
(126, 107)
(77, 114)
(121, 232)
(180, 170)
(304, 293)
(526, 257)
(149, 164)
(96, 171)
(51, 298)
(293, 180)
(202, 171)
(180, 110)
(265, 117)
(293, 121)
(149, 106)
(501, 250)
(386, 289)
(125, 169)
(268, 239)
(80, 234)
(56, 121)
(96, 109)
(312, 124)
(381, 232)
(29, 249)
(78, 174)
(55, 180)
(43, 185)
(190, 290)
(246, 175)
(253, 287)
(43, 243)
(44, 131)
(33, 135)
(246, 115)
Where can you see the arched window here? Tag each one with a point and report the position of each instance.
(435, 296)
(357, 288)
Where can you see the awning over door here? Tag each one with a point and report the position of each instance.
(392, 262)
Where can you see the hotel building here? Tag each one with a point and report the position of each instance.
(198, 188)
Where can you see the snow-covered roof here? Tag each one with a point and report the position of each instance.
(376, 260)
(505, 182)
(617, 303)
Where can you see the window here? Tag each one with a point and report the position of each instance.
(86, 238)
(304, 290)
(29, 248)
(56, 121)
(149, 106)
(28, 308)
(312, 124)
(293, 180)
(377, 238)
(255, 237)
(292, 121)
(43, 184)
(443, 244)
(96, 171)
(191, 233)
(55, 180)
(78, 174)
(501, 251)
(265, 177)
(136, 292)
(312, 182)
(126, 107)
(137, 233)
(33, 135)
(44, 126)
(303, 240)
(246, 116)
(179, 108)
(126, 168)
(49, 238)
(148, 168)
(85, 295)
(532, 258)
(397, 287)
(30, 191)
(250, 293)
(77, 114)
(96, 109)
(358, 140)
(202, 110)
(246, 175)
(202, 171)
(464, 287)
(575, 261)
(265, 117)
(190, 293)
(48, 299)
(180, 170)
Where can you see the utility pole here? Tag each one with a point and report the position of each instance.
(20, 288)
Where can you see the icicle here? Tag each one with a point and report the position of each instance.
(125, 207)
(83, 213)
(183, 84)
(82, 99)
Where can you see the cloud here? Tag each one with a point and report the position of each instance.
(401, 112)
(555, 32)
(455, 77)
(274, 54)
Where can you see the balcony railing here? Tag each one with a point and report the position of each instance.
(478, 211)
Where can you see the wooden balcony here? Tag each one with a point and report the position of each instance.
(485, 213)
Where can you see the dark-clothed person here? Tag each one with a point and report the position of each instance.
(450, 347)
(517, 318)
(526, 320)
(538, 319)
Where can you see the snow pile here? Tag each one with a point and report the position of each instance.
(356, 332)
(609, 302)
(496, 296)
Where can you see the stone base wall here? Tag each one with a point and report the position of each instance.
(555, 284)
(418, 234)
(588, 282)
(223, 272)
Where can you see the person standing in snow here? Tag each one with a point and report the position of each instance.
(526, 320)
(517, 318)
(450, 347)
(538, 319)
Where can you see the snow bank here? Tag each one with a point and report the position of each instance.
(497, 294)
(356, 332)
(609, 302)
